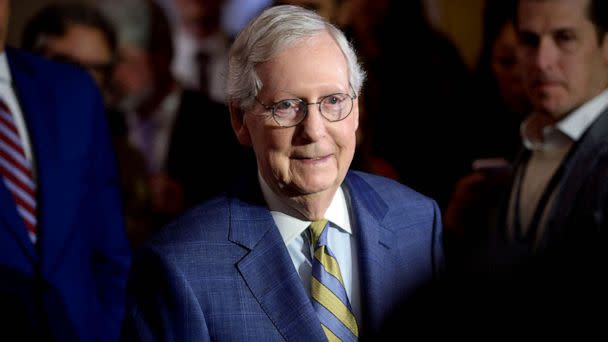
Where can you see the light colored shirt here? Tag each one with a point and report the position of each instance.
(151, 134)
(9, 97)
(340, 237)
(549, 143)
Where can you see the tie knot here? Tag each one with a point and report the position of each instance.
(316, 229)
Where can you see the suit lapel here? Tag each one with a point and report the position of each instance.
(575, 174)
(269, 272)
(375, 242)
(57, 197)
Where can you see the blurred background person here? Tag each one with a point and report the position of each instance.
(201, 47)
(79, 33)
(436, 105)
(502, 98)
(473, 209)
(64, 254)
(544, 259)
(182, 134)
(554, 224)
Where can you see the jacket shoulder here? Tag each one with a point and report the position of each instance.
(40, 68)
(208, 221)
(389, 190)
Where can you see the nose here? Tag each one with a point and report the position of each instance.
(313, 125)
(546, 54)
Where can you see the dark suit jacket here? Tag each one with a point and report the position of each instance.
(70, 285)
(576, 224)
(204, 154)
(222, 272)
(560, 278)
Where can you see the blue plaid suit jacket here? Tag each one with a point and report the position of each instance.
(222, 272)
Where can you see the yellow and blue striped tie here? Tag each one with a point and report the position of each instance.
(327, 289)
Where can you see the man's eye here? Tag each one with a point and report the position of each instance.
(565, 36)
(528, 39)
(333, 100)
(285, 105)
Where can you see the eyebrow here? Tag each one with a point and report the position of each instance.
(291, 96)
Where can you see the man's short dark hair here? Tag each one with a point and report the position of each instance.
(597, 12)
(55, 20)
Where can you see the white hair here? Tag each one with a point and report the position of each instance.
(269, 34)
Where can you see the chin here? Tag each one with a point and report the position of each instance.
(555, 109)
(315, 185)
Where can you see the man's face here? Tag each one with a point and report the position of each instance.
(133, 78)
(564, 65)
(4, 14)
(86, 46)
(507, 70)
(200, 17)
(313, 157)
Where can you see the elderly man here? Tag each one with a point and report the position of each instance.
(304, 250)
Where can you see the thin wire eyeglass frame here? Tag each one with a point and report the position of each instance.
(272, 108)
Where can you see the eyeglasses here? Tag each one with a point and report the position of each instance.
(290, 112)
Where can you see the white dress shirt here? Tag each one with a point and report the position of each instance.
(340, 237)
(10, 98)
(151, 135)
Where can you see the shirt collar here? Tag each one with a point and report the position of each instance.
(163, 114)
(290, 227)
(540, 133)
(5, 73)
(575, 124)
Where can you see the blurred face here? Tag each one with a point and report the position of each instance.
(133, 79)
(507, 70)
(83, 45)
(564, 65)
(311, 158)
(200, 17)
(4, 14)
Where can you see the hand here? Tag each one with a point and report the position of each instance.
(475, 195)
(167, 195)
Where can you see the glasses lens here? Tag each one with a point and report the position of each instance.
(336, 107)
(289, 112)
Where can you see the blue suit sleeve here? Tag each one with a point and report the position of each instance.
(437, 244)
(111, 250)
(161, 306)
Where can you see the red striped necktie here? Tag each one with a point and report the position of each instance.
(16, 170)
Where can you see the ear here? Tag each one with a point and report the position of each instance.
(237, 120)
(356, 113)
(604, 48)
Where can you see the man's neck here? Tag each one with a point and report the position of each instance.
(307, 207)
(313, 206)
(156, 98)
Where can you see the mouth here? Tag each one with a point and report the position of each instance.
(311, 158)
(546, 84)
(543, 82)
